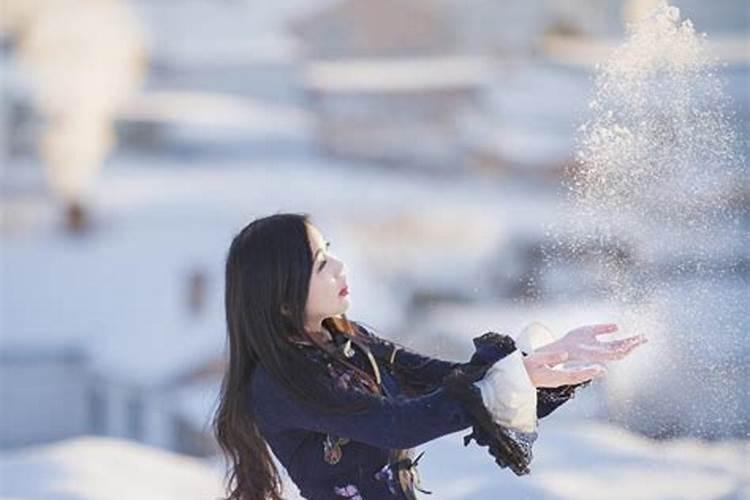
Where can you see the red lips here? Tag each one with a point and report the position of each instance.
(344, 291)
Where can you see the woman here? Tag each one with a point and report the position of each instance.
(341, 407)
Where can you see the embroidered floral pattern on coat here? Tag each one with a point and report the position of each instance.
(332, 452)
(390, 476)
(349, 492)
(399, 470)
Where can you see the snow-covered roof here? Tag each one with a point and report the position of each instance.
(218, 111)
(731, 49)
(398, 74)
(98, 468)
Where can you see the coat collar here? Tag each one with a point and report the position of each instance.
(346, 345)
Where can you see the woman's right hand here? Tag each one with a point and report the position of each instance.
(539, 367)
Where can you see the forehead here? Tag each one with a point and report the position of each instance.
(316, 239)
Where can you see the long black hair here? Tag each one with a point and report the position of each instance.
(267, 278)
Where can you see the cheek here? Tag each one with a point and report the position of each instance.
(316, 292)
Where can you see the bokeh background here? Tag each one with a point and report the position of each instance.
(430, 141)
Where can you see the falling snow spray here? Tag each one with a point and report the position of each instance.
(651, 203)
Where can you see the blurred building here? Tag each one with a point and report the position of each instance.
(400, 111)
(388, 82)
(62, 392)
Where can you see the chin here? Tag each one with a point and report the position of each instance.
(344, 307)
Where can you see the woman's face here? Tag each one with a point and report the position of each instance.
(328, 294)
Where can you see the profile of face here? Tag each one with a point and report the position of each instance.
(328, 294)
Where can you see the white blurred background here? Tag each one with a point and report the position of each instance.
(429, 140)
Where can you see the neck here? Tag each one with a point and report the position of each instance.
(319, 332)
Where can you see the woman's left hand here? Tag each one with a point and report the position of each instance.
(582, 344)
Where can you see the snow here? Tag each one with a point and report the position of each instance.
(588, 52)
(398, 75)
(121, 292)
(239, 32)
(534, 109)
(577, 461)
(219, 112)
(510, 318)
(91, 468)
(587, 460)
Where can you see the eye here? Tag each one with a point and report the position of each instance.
(322, 264)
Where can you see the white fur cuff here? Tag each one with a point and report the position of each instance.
(508, 393)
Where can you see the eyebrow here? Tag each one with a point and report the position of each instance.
(315, 255)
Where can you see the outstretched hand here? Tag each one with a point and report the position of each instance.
(582, 344)
(582, 352)
(539, 367)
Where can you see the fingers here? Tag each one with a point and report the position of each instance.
(584, 374)
(628, 344)
(592, 331)
(549, 377)
(602, 329)
(548, 358)
(618, 349)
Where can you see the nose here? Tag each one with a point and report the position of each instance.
(341, 268)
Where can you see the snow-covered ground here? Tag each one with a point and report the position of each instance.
(89, 468)
(587, 460)
(573, 461)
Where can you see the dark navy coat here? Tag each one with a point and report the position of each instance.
(347, 456)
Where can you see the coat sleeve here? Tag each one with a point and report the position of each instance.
(412, 369)
(417, 369)
(423, 369)
(551, 398)
(386, 422)
(425, 372)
